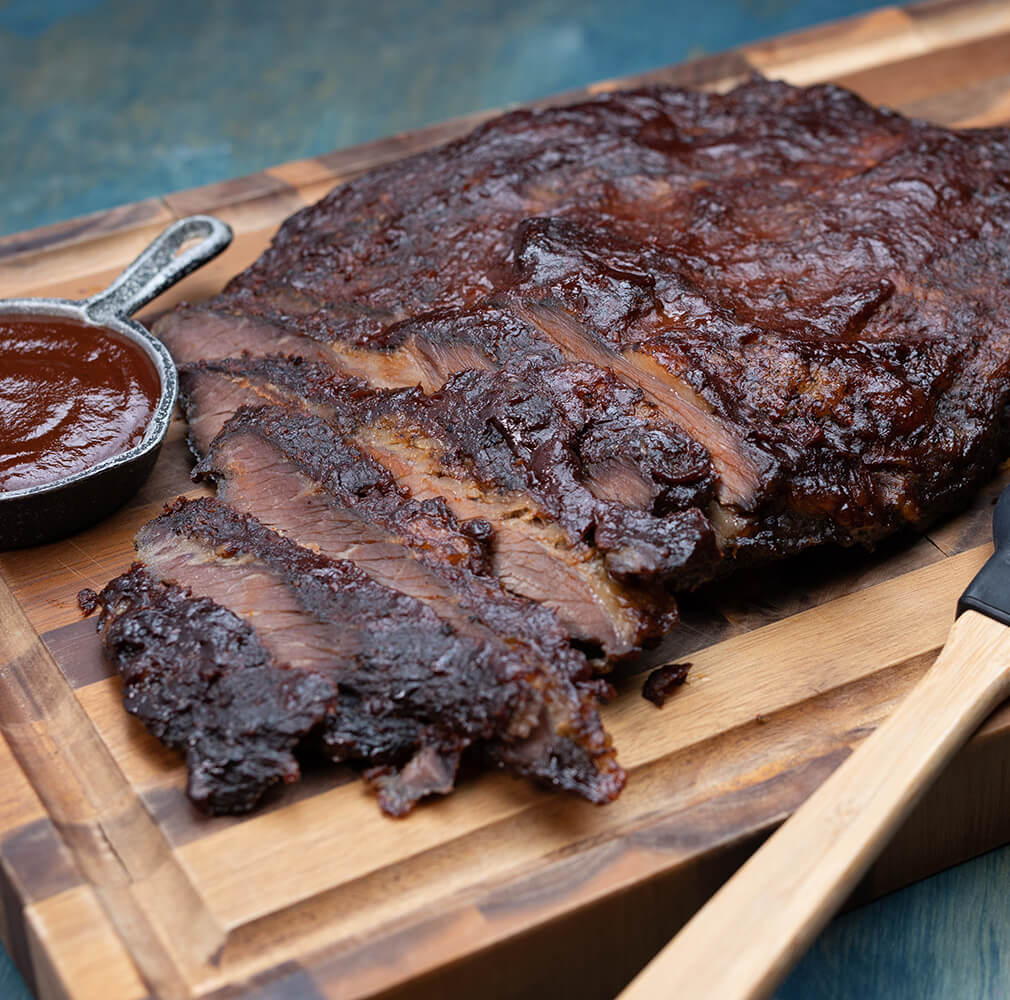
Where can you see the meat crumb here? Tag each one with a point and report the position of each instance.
(663, 681)
(87, 601)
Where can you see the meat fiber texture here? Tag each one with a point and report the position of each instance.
(500, 401)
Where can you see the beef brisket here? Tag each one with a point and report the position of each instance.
(406, 691)
(805, 285)
(532, 454)
(524, 387)
(201, 680)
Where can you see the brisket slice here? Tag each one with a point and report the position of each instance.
(590, 498)
(204, 684)
(599, 353)
(289, 470)
(190, 330)
(411, 691)
(211, 391)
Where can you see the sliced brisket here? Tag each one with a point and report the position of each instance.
(523, 387)
(807, 286)
(200, 679)
(534, 455)
(408, 692)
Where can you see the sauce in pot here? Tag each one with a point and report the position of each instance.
(71, 395)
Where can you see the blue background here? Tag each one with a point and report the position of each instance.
(114, 101)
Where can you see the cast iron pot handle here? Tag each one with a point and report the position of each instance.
(159, 267)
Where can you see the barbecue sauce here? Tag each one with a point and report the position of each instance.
(71, 395)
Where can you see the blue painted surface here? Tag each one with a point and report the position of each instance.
(107, 102)
(946, 938)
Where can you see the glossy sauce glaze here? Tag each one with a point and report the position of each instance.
(71, 395)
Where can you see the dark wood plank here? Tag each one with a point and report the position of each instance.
(83, 229)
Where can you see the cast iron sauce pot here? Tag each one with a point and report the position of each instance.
(43, 513)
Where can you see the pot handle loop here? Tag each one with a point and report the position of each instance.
(159, 267)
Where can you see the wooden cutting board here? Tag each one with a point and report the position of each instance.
(113, 886)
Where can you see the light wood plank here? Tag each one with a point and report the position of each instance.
(47, 578)
(77, 953)
(783, 896)
(875, 39)
(77, 268)
(953, 22)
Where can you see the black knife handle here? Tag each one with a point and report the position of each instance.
(989, 592)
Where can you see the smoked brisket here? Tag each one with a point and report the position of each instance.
(521, 389)
(396, 688)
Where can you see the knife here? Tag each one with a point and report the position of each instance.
(745, 940)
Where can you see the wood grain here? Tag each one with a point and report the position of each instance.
(76, 951)
(774, 907)
(104, 865)
(879, 38)
(98, 814)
